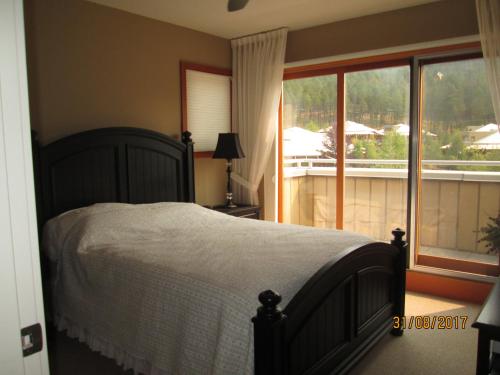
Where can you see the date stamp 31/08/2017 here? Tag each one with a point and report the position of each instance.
(430, 322)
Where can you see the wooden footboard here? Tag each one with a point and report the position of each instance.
(337, 316)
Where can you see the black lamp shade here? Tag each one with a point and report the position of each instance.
(228, 147)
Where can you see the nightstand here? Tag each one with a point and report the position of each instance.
(488, 323)
(249, 212)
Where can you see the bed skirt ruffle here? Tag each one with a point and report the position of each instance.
(140, 366)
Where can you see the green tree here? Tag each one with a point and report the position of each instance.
(432, 148)
(312, 126)
(394, 146)
(372, 149)
(330, 143)
(359, 149)
(456, 149)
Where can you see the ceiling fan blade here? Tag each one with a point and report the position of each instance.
(234, 5)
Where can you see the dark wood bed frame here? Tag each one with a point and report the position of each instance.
(337, 316)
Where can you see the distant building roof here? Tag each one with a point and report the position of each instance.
(355, 128)
(490, 142)
(302, 142)
(476, 133)
(403, 129)
(487, 128)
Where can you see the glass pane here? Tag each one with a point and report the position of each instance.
(309, 126)
(460, 187)
(376, 142)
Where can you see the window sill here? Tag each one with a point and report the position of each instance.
(449, 284)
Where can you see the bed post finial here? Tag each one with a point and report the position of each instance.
(186, 137)
(401, 244)
(269, 310)
(267, 334)
(189, 160)
(398, 234)
(399, 303)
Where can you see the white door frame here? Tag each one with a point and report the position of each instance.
(20, 276)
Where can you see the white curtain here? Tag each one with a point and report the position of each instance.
(258, 63)
(488, 15)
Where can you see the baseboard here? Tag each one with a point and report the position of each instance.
(448, 287)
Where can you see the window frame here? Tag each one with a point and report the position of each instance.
(415, 59)
(340, 69)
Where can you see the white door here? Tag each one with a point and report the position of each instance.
(21, 302)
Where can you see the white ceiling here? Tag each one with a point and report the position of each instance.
(211, 16)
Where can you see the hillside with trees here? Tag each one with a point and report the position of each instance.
(455, 96)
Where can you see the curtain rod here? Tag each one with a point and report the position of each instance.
(260, 32)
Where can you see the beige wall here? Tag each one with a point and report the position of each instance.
(424, 23)
(90, 66)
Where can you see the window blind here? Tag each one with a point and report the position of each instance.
(208, 97)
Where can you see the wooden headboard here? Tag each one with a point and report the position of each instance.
(127, 165)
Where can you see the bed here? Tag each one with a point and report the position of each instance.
(336, 304)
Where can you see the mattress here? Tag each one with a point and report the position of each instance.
(169, 288)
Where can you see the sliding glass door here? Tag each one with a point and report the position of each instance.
(459, 186)
(346, 140)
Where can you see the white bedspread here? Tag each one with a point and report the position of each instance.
(169, 288)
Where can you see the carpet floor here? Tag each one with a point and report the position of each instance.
(427, 351)
(418, 351)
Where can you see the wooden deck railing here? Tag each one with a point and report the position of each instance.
(454, 204)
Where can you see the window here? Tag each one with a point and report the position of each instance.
(345, 184)
(354, 132)
(309, 121)
(376, 136)
(206, 105)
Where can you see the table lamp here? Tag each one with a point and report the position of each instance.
(229, 148)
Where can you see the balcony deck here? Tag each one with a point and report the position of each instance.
(454, 204)
(459, 254)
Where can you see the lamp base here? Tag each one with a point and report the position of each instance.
(229, 201)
